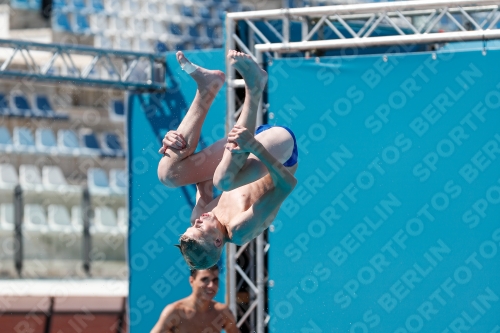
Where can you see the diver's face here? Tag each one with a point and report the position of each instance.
(204, 227)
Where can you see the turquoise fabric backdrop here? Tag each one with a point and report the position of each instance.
(394, 225)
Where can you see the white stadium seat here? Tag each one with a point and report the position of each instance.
(46, 141)
(8, 176)
(5, 140)
(122, 219)
(35, 218)
(118, 180)
(7, 217)
(76, 218)
(68, 142)
(53, 178)
(97, 181)
(30, 177)
(59, 219)
(23, 140)
(105, 220)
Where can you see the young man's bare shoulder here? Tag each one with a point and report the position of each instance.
(174, 307)
(221, 308)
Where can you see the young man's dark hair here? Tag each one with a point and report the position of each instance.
(213, 268)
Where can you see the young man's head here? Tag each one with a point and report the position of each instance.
(205, 283)
(201, 245)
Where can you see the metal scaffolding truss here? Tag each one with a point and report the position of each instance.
(412, 21)
(348, 26)
(82, 65)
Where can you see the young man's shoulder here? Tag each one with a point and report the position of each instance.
(222, 308)
(174, 307)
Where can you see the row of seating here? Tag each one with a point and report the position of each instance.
(56, 218)
(137, 28)
(52, 179)
(200, 10)
(154, 44)
(17, 105)
(26, 4)
(103, 24)
(84, 143)
(150, 25)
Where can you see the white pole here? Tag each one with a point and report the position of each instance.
(357, 8)
(260, 283)
(378, 41)
(230, 121)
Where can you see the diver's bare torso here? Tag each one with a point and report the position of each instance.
(184, 319)
(231, 203)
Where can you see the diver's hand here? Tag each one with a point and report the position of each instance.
(172, 140)
(240, 140)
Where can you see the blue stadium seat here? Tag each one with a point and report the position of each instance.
(78, 5)
(45, 110)
(58, 5)
(60, 22)
(46, 141)
(187, 11)
(212, 32)
(97, 5)
(160, 47)
(97, 181)
(194, 31)
(35, 4)
(20, 105)
(81, 24)
(117, 110)
(5, 140)
(89, 143)
(204, 13)
(4, 105)
(180, 46)
(118, 180)
(23, 140)
(221, 14)
(111, 145)
(68, 143)
(19, 4)
(176, 29)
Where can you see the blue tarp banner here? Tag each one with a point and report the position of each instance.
(394, 226)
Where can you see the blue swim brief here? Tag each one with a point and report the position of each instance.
(295, 154)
